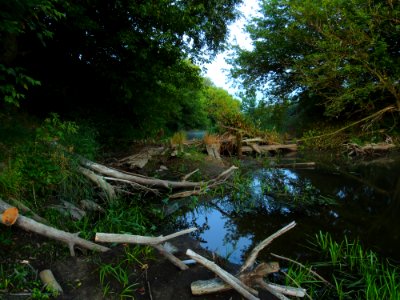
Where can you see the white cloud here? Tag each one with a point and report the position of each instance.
(218, 69)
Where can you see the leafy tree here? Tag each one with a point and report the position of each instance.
(119, 60)
(340, 55)
(222, 108)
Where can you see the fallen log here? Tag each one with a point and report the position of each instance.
(354, 149)
(248, 276)
(138, 239)
(25, 209)
(146, 181)
(71, 239)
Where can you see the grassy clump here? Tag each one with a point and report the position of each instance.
(360, 273)
(356, 273)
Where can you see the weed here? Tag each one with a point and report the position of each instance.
(178, 139)
(359, 272)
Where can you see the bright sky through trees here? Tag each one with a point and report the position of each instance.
(218, 70)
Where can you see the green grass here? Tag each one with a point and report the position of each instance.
(353, 272)
(360, 272)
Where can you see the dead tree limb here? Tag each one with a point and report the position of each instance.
(250, 277)
(138, 239)
(304, 267)
(152, 182)
(253, 255)
(234, 282)
(71, 239)
(145, 240)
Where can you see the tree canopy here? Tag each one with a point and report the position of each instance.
(341, 55)
(123, 57)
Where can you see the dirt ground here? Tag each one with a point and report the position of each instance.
(161, 280)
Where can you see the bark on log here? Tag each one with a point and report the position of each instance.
(213, 151)
(255, 147)
(141, 159)
(172, 258)
(71, 239)
(25, 209)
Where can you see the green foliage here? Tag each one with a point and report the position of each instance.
(338, 55)
(320, 138)
(14, 83)
(221, 107)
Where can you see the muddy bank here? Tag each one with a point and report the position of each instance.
(156, 279)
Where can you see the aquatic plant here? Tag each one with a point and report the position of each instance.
(358, 272)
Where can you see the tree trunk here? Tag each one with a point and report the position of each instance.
(71, 239)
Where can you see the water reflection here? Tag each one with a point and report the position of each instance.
(367, 207)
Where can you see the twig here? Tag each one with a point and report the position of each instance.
(303, 266)
(184, 178)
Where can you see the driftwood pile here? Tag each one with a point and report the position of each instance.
(245, 282)
(241, 144)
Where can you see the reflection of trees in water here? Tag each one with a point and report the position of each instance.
(191, 220)
(362, 211)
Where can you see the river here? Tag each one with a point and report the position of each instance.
(358, 199)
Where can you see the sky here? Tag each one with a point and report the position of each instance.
(218, 70)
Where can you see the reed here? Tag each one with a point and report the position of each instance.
(359, 272)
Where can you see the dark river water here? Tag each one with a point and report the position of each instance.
(360, 200)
